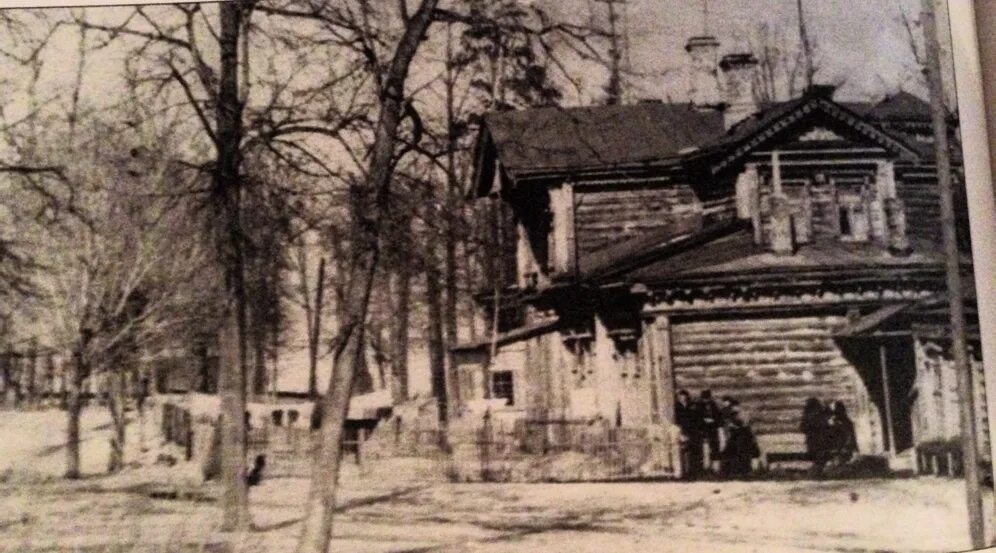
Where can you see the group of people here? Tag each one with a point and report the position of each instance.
(715, 438)
(829, 432)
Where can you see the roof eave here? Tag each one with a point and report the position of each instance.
(522, 175)
(797, 275)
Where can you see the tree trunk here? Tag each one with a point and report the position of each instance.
(452, 212)
(362, 381)
(227, 196)
(235, 498)
(74, 407)
(320, 508)
(316, 532)
(16, 390)
(315, 335)
(30, 378)
(5, 370)
(259, 375)
(437, 350)
(399, 330)
(472, 284)
(274, 359)
(116, 406)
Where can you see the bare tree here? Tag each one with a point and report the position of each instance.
(119, 275)
(266, 114)
(784, 69)
(320, 507)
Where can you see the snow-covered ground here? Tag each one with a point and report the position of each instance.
(406, 505)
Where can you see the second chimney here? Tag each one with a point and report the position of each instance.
(741, 101)
(703, 85)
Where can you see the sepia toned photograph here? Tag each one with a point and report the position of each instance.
(492, 276)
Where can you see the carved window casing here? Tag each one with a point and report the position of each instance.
(855, 203)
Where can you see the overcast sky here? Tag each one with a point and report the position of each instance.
(862, 40)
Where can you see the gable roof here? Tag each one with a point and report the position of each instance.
(555, 139)
(768, 124)
(902, 106)
(539, 139)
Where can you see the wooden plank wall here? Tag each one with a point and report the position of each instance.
(936, 409)
(772, 365)
(558, 384)
(546, 377)
(609, 215)
(916, 185)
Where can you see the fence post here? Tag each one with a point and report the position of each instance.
(360, 438)
(485, 443)
(189, 427)
(166, 422)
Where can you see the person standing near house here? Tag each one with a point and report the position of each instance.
(815, 427)
(712, 421)
(688, 419)
(726, 406)
(843, 441)
(741, 445)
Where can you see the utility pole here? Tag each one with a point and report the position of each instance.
(969, 448)
(807, 46)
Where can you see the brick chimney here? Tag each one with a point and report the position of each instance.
(703, 82)
(738, 76)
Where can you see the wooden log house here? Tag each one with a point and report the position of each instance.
(767, 252)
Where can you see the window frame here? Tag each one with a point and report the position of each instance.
(503, 389)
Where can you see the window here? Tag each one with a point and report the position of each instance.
(502, 386)
(845, 221)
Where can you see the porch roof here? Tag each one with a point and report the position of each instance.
(900, 318)
(867, 324)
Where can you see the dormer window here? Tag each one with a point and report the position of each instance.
(853, 211)
(791, 201)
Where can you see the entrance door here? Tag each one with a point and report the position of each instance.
(887, 368)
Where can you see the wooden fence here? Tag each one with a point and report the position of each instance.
(573, 450)
(177, 428)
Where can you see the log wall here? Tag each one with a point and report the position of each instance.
(772, 365)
